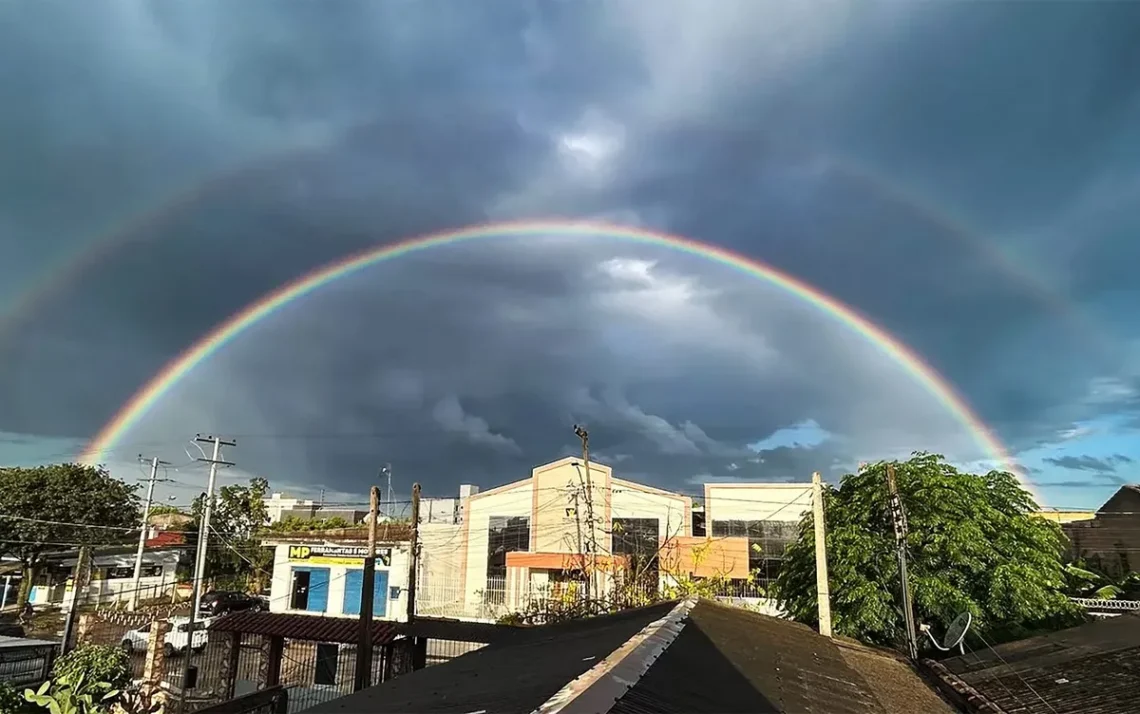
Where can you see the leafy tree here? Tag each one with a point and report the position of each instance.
(236, 558)
(54, 508)
(1085, 581)
(973, 545)
(164, 509)
(302, 525)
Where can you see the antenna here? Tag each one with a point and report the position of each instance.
(955, 634)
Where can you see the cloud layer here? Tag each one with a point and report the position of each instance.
(917, 162)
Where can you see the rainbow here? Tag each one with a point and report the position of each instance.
(144, 400)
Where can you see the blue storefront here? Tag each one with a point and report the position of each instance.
(328, 579)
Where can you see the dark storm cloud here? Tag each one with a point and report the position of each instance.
(1104, 466)
(770, 140)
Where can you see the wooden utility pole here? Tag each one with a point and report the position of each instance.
(898, 517)
(78, 592)
(414, 552)
(822, 589)
(364, 644)
(591, 535)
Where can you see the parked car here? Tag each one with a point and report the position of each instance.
(224, 601)
(176, 639)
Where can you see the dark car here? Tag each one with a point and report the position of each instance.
(224, 601)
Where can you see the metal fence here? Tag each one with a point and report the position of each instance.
(440, 651)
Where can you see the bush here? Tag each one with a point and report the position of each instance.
(98, 663)
(11, 701)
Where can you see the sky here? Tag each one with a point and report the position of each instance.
(964, 175)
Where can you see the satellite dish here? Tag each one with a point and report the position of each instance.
(955, 634)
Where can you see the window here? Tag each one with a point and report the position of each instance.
(639, 540)
(327, 656)
(299, 594)
(505, 534)
(766, 543)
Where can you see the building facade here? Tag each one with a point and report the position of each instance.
(1109, 542)
(320, 575)
(566, 527)
(766, 514)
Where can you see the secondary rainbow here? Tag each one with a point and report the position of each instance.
(143, 400)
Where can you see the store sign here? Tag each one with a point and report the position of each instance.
(337, 555)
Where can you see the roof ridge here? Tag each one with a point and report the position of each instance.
(600, 687)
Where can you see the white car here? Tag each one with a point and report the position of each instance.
(175, 641)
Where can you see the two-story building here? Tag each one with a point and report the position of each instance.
(322, 572)
(563, 527)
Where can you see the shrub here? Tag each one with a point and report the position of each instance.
(97, 663)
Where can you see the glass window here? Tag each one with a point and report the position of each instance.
(505, 534)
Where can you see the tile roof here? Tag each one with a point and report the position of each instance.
(667, 658)
(1090, 669)
(315, 628)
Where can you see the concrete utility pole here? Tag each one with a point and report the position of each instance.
(414, 552)
(364, 643)
(154, 464)
(898, 516)
(592, 588)
(198, 578)
(822, 589)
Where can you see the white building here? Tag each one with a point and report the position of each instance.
(112, 577)
(278, 503)
(767, 514)
(530, 536)
(319, 576)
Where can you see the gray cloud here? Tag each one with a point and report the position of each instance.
(913, 161)
(1104, 466)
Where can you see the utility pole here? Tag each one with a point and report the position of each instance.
(364, 643)
(154, 464)
(78, 590)
(198, 578)
(414, 552)
(898, 517)
(592, 536)
(390, 500)
(822, 589)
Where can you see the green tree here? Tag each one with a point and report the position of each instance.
(48, 509)
(973, 545)
(236, 558)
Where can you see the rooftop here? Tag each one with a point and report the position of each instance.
(1090, 669)
(675, 657)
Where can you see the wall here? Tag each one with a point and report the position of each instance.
(282, 584)
(756, 502)
(511, 500)
(633, 500)
(1111, 541)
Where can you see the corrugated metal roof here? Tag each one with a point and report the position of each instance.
(315, 628)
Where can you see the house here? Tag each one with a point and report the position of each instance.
(1084, 669)
(674, 657)
(1110, 542)
(112, 572)
(321, 572)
